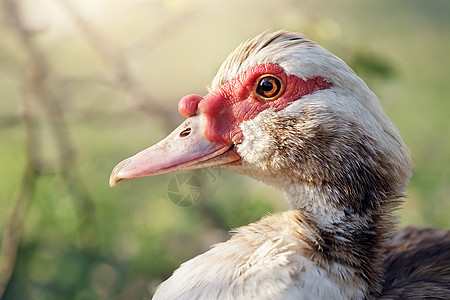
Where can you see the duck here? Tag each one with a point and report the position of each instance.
(285, 111)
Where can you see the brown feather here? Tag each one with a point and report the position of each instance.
(417, 264)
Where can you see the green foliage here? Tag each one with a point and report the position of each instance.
(373, 66)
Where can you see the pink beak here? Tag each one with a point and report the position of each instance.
(186, 148)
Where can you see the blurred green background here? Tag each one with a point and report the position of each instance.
(85, 84)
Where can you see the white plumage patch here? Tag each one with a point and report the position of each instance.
(264, 260)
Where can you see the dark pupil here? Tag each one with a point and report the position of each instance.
(269, 87)
(266, 85)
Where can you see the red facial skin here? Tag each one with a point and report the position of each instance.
(236, 101)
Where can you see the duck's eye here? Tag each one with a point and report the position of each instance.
(269, 87)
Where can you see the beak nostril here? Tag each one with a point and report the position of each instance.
(185, 132)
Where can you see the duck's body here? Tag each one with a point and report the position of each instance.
(264, 260)
(276, 258)
(285, 111)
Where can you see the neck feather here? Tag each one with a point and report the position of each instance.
(353, 241)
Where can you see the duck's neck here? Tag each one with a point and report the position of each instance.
(348, 242)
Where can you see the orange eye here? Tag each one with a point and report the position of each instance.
(269, 87)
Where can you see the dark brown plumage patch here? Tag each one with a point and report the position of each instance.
(340, 160)
(417, 264)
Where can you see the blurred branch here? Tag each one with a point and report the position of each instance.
(171, 25)
(16, 217)
(40, 94)
(9, 120)
(122, 76)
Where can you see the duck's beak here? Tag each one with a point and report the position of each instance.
(186, 148)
